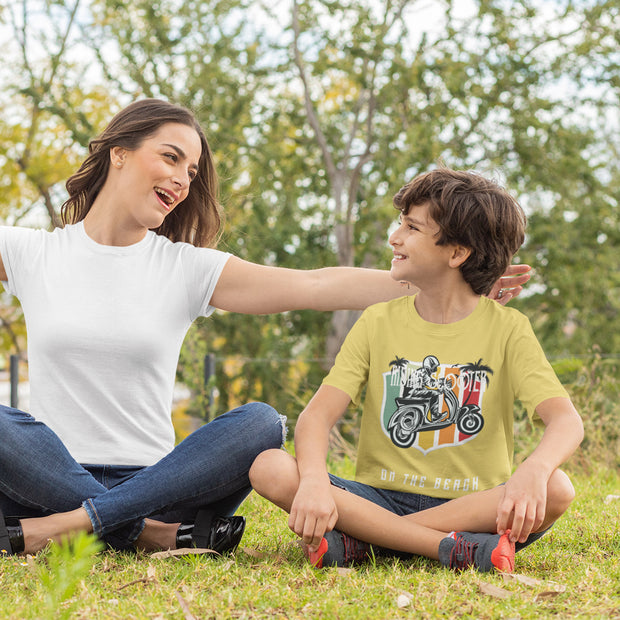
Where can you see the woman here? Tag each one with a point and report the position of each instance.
(108, 300)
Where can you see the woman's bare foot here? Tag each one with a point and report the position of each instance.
(157, 536)
(38, 532)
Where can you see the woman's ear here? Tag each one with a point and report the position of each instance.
(117, 156)
(459, 255)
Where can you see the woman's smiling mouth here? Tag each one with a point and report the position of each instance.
(166, 198)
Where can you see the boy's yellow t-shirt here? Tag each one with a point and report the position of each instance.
(438, 411)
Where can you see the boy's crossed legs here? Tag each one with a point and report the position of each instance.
(275, 476)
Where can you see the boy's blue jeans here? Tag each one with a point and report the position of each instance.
(209, 469)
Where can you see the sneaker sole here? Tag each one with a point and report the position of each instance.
(316, 557)
(503, 556)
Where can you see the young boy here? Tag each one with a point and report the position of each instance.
(442, 371)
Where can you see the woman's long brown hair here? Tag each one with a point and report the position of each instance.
(197, 220)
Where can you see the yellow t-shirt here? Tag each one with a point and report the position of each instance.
(438, 411)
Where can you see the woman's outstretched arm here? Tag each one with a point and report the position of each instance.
(250, 288)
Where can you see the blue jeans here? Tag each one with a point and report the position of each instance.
(208, 469)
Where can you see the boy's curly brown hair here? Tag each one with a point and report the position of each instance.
(471, 211)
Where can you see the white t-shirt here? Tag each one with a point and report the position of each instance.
(105, 327)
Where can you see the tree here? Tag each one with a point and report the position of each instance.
(49, 114)
(568, 173)
(317, 126)
(319, 111)
(502, 88)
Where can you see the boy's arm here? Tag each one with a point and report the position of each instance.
(522, 508)
(313, 511)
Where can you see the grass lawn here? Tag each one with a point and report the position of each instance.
(574, 572)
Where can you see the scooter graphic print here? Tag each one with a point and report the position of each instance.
(420, 410)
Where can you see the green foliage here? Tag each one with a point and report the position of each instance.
(311, 146)
(269, 375)
(595, 390)
(61, 571)
(593, 386)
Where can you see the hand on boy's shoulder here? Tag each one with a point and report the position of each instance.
(510, 284)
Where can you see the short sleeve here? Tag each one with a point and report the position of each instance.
(350, 370)
(18, 248)
(532, 376)
(202, 268)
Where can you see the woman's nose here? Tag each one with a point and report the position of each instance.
(182, 177)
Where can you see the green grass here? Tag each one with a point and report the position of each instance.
(576, 568)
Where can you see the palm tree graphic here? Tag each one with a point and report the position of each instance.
(476, 367)
(399, 364)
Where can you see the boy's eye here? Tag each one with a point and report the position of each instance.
(409, 225)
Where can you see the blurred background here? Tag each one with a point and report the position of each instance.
(318, 112)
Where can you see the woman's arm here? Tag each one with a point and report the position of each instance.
(250, 288)
(256, 289)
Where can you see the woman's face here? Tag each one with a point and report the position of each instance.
(153, 179)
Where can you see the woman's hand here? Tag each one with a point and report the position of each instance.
(510, 284)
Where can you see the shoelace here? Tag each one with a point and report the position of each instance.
(354, 550)
(462, 554)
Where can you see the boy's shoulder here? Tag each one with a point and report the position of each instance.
(393, 312)
(381, 308)
(493, 315)
(503, 311)
(488, 311)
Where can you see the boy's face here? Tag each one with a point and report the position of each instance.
(417, 259)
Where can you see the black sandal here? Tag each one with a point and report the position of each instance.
(221, 534)
(11, 535)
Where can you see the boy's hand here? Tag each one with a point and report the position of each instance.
(522, 509)
(313, 511)
(510, 284)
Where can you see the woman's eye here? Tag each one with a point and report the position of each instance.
(171, 156)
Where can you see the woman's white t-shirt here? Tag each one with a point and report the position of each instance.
(105, 327)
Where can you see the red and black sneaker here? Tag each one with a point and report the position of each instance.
(483, 551)
(339, 549)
